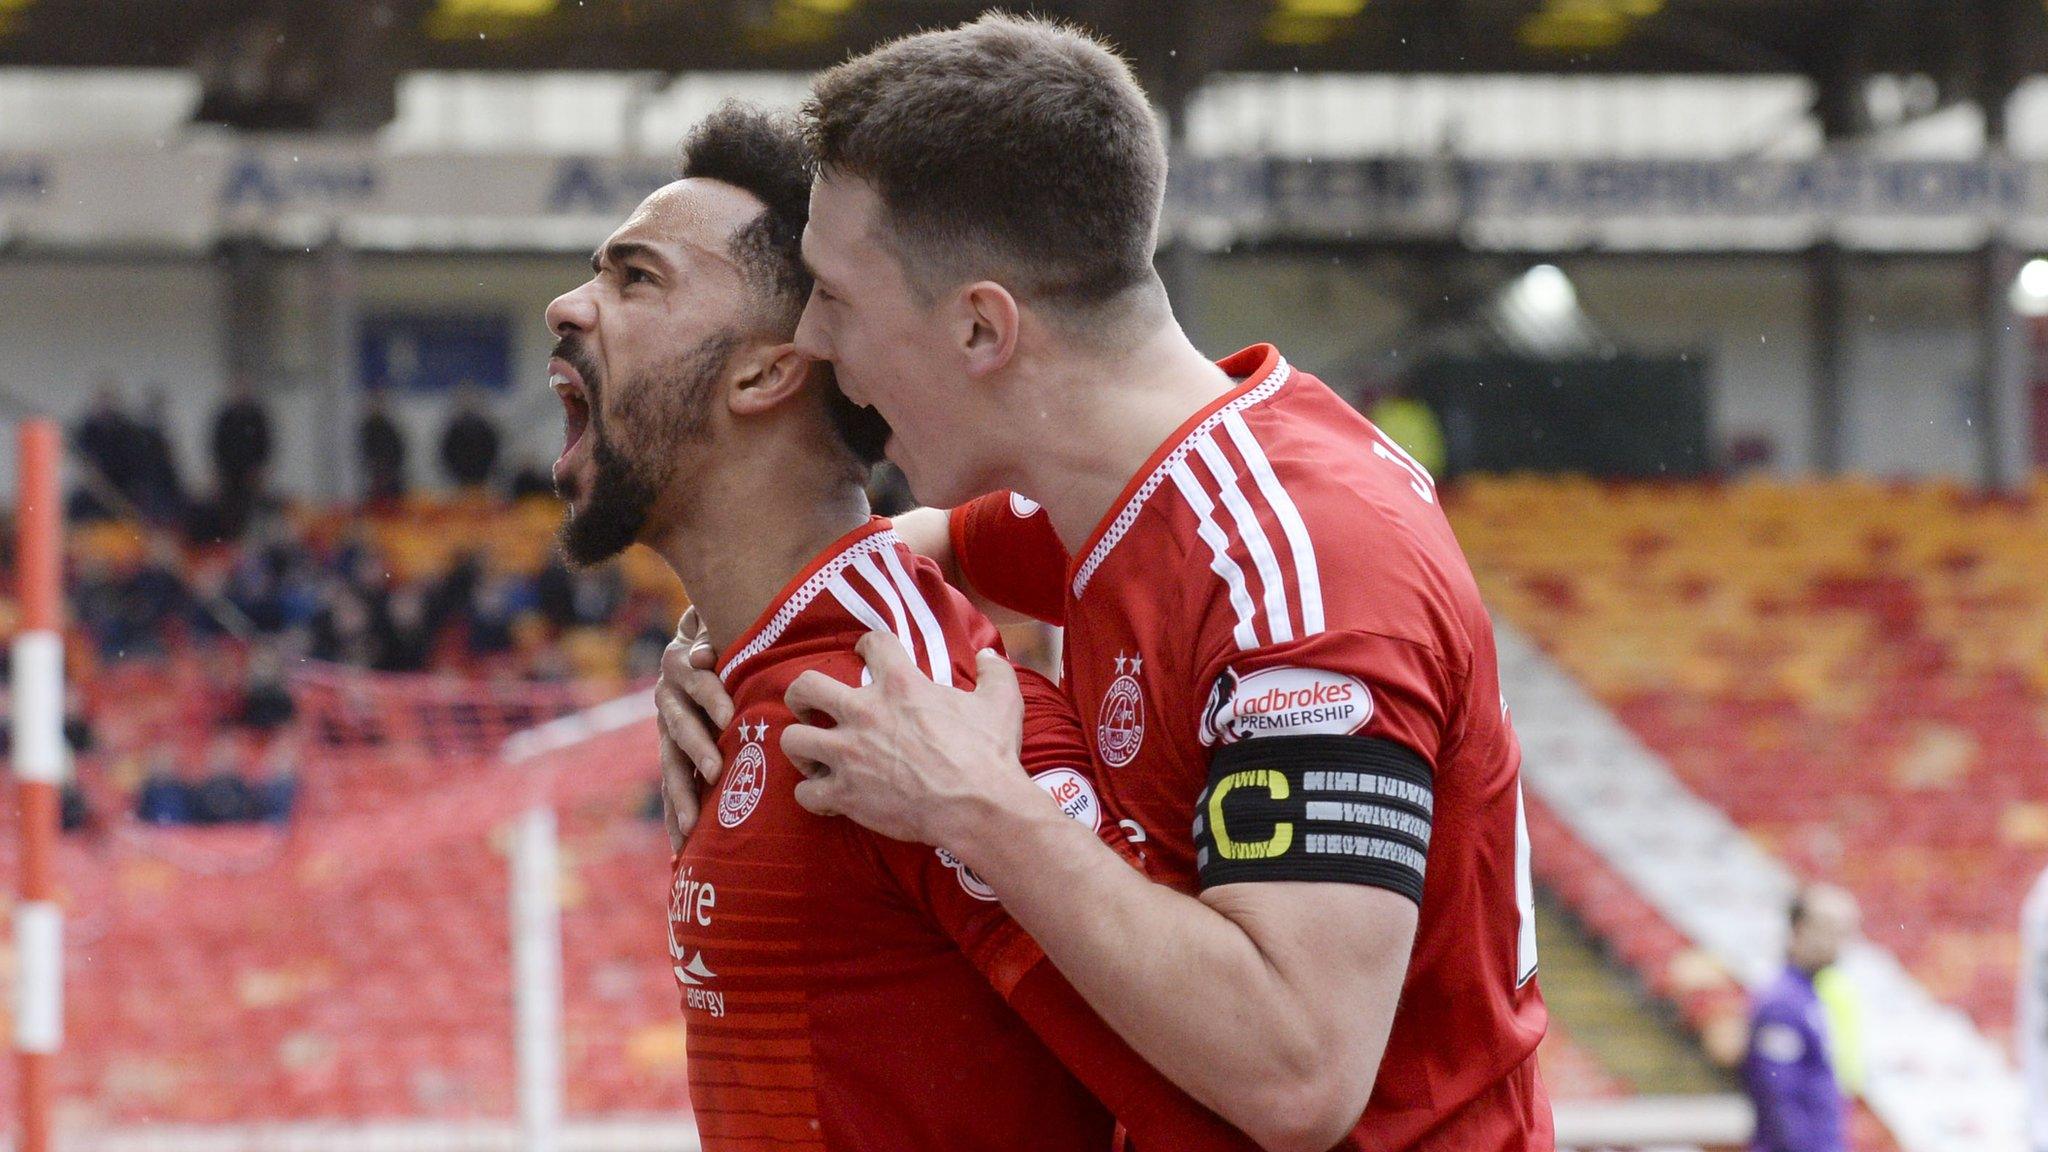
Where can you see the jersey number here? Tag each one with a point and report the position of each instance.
(1419, 479)
(1525, 896)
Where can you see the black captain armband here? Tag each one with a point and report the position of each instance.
(1339, 809)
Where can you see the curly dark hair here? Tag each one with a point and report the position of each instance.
(765, 155)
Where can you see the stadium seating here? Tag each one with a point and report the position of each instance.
(214, 976)
(1855, 672)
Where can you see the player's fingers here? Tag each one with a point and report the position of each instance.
(812, 750)
(994, 678)
(814, 692)
(885, 658)
(691, 631)
(709, 693)
(817, 795)
(685, 725)
(678, 793)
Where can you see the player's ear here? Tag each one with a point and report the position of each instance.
(767, 378)
(988, 327)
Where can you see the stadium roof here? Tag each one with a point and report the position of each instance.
(1954, 41)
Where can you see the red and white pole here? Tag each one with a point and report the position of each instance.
(38, 773)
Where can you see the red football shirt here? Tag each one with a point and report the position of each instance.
(851, 992)
(1319, 592)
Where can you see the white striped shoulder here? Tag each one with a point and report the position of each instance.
(1258, 544)
(819, 583)
(877, 590)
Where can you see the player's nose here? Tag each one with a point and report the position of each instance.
(572, 311)
(810, 333)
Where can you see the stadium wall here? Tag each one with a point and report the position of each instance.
(67, 322)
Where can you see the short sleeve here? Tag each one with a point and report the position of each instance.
(1323, 754)
(1336, 683)
(1008, 553)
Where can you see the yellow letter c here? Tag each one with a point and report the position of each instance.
(1282, 838)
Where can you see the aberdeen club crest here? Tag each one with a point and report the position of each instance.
(1121, 728)
(746, 778)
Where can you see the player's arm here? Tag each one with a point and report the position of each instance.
(1270, 1002)
(1269, 997)
(1000, 550)
(1157, 1115)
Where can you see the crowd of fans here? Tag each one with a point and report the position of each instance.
(132, 466)
(235, 576)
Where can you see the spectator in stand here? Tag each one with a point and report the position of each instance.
(644, 622)
(164, 798)
(155, 601)
(159, 486)
(579, 598)
(106, 440)
(495, 601)
(469, 443)
(266, 703)
(533, 480)
(241, 448)
(225, 796)
(1790, 1070)
(241, 439)
(381, 447)
(343, 629)
(404, 632)
(96, 603)
(551, 664)
(260, 586)
(278, 787)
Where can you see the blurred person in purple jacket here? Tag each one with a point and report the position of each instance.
(1789, 1070)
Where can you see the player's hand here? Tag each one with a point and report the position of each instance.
(905, 757)
(694, 709)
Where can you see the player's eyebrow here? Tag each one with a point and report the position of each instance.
(816, 276)
(620, 251)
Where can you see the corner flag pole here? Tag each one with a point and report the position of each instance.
(38, 771)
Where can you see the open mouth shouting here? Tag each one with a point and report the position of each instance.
(568, 384)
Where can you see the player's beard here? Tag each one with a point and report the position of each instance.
(658, 417)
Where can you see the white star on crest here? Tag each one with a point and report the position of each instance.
(1119, 663)
(1137, 665)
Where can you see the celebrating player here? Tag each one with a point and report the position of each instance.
(842, 990)
(1279, 654)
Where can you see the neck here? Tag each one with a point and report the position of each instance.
(741, 535)
(1087, 438)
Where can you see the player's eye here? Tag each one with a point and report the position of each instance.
(635, 275)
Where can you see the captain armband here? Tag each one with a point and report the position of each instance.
(1335, 809)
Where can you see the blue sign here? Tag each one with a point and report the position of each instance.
(414, 352)
(23, 178)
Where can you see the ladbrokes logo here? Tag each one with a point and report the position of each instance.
(1070, 790)
(1284, 702)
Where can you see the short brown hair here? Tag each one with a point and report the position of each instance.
(1010, 147)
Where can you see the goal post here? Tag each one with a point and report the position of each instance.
(38, 674)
